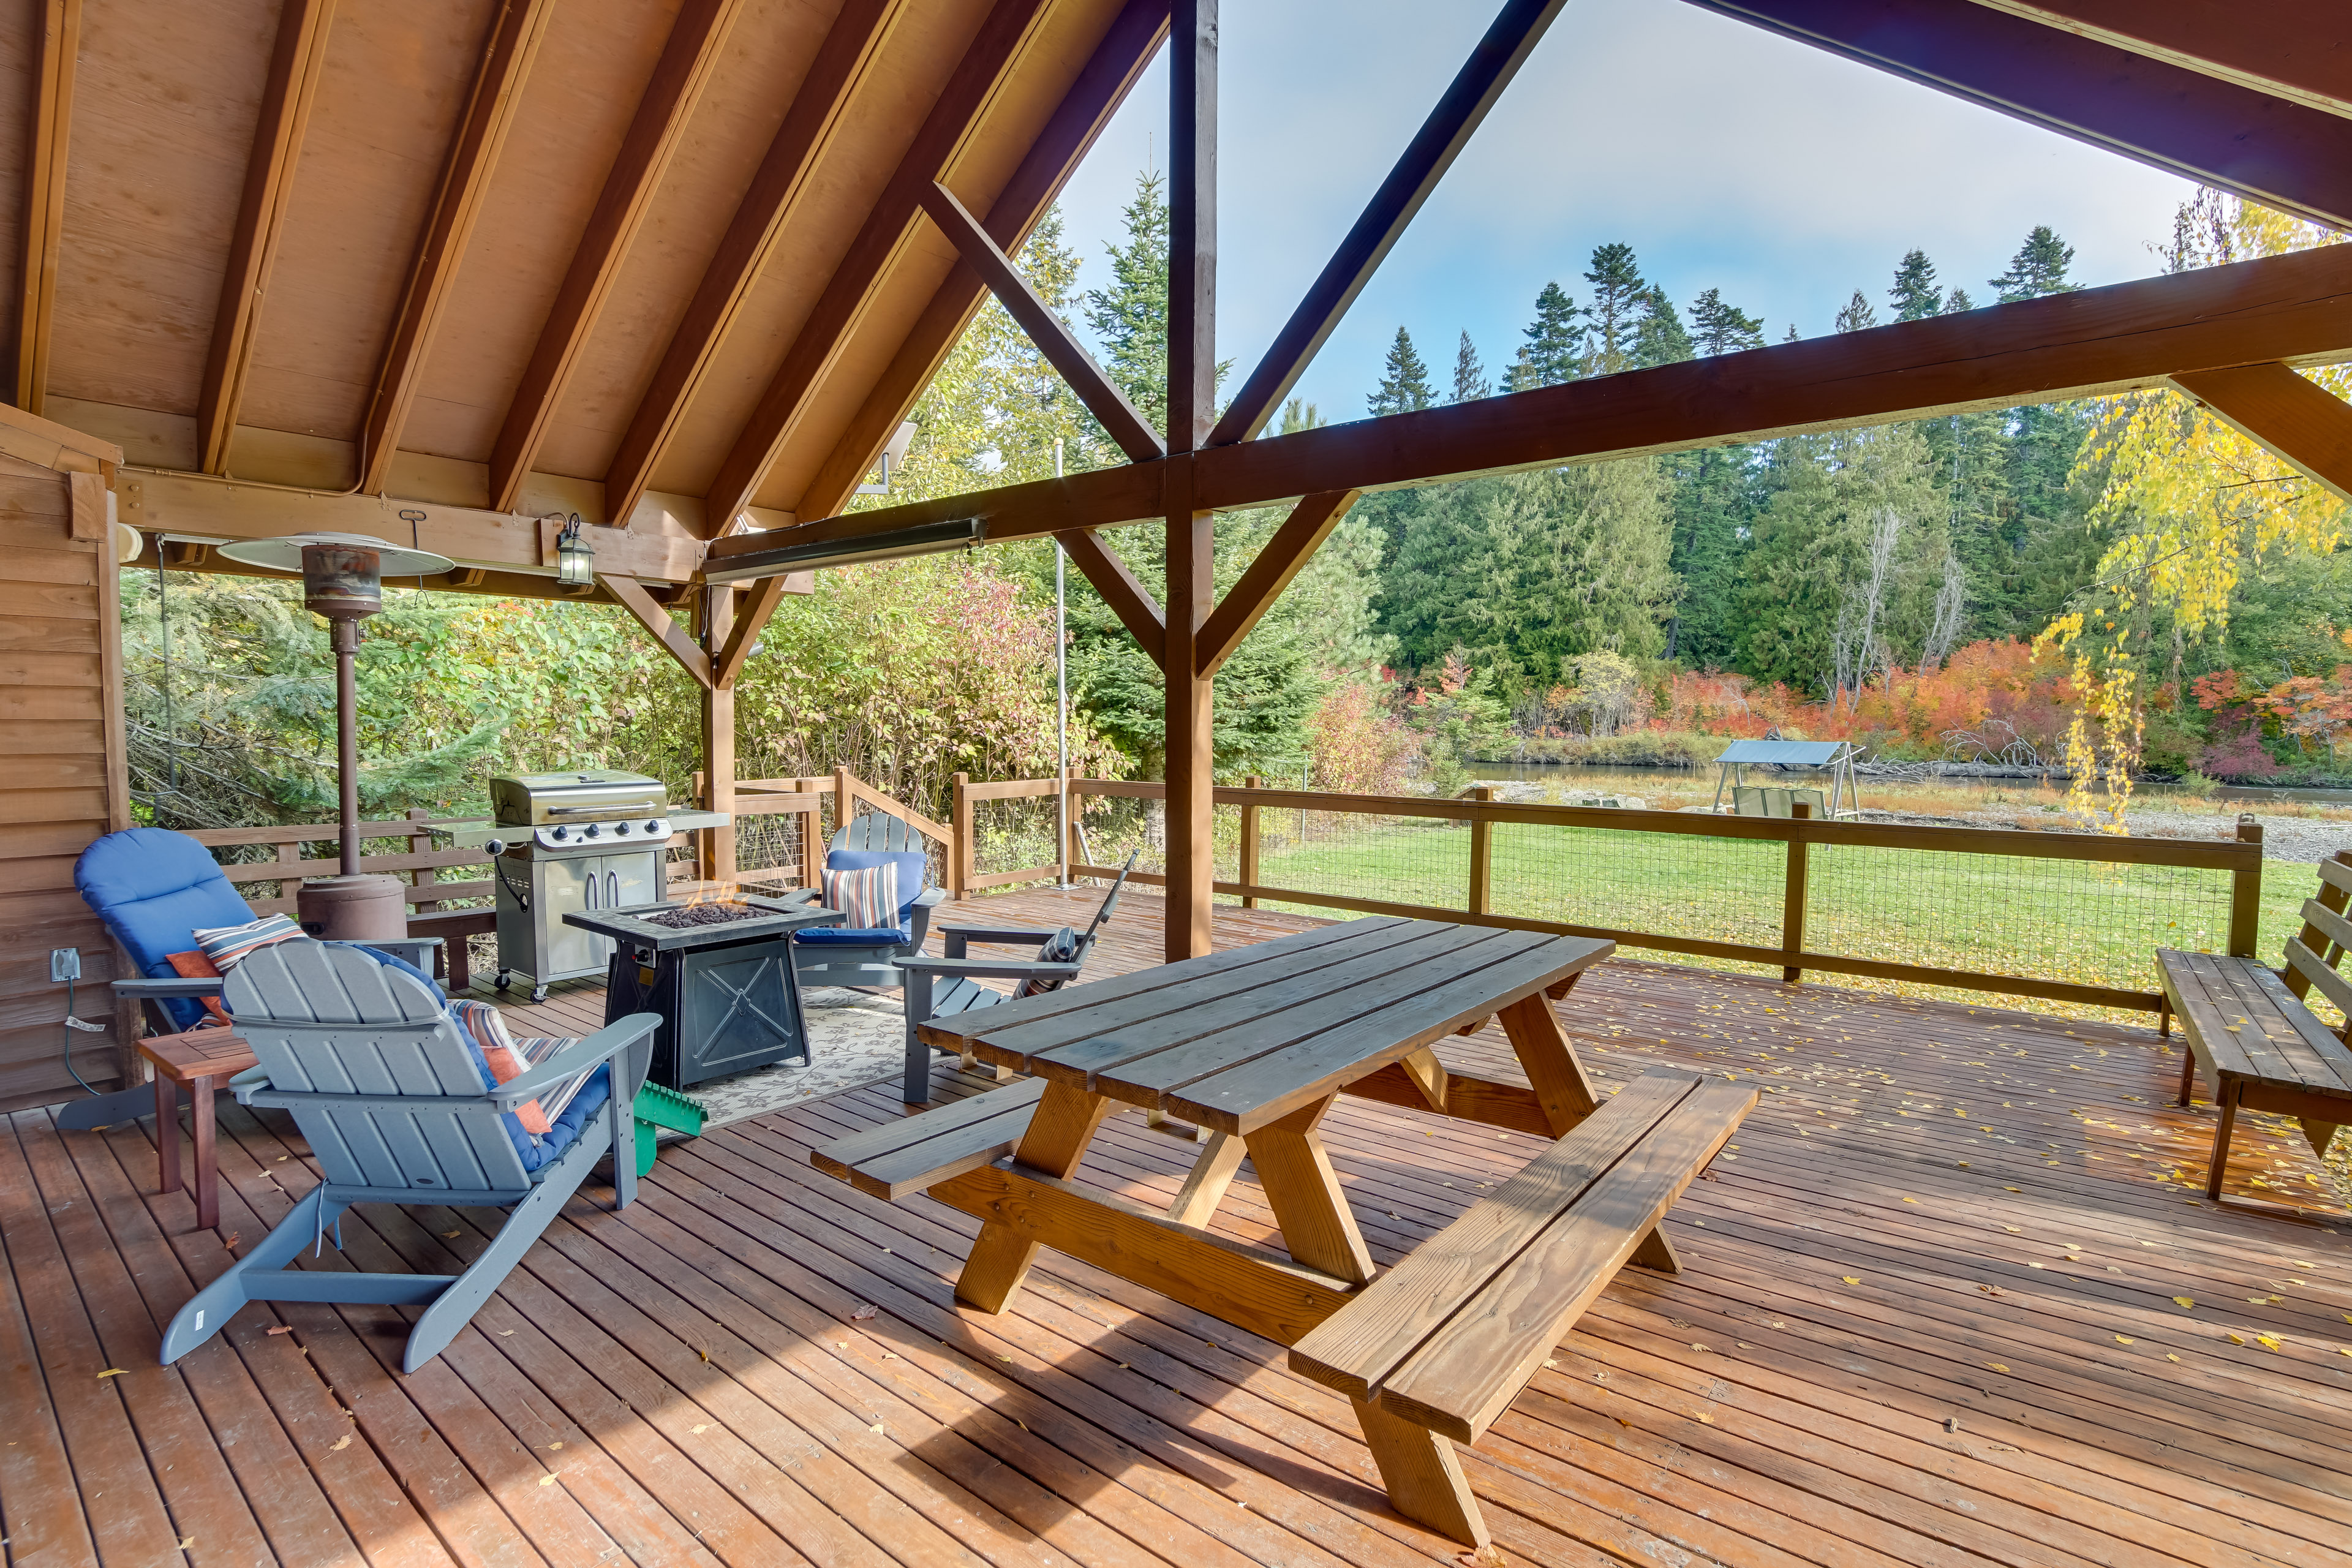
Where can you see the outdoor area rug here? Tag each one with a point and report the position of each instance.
(855, 1038)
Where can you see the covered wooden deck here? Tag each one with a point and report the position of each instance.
(1933, 1313)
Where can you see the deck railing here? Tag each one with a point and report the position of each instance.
(2063, 917)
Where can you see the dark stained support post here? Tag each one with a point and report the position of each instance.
(1249, 842)
(1482, 852)
(2246, 896)
(44, 214)
(1475, 86)
(717, 850)
(2309, 427)
(1191, 407)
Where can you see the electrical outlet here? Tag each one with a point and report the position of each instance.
(64, 963)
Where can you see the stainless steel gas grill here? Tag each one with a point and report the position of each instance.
(570, 843)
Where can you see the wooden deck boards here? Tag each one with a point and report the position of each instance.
(1929, 1316)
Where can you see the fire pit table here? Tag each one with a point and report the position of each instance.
(720, 973)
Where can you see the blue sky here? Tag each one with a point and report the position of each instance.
(1726, 156)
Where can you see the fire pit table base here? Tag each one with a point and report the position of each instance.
(723, 984)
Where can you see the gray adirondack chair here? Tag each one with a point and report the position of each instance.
(950, 986)
(384, 1086)
(834, 956)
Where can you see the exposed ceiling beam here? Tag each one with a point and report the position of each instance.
(655, 618)
(1130, 600)
(2295, 307)
(850, 46)
(752, 619)
(1506, 44)
(295, 64)
(1280, 559)
(514, 43)
(698, 42)
(879, 241)
(1047, 331)
(2268, 150)
(1100, 87)
(44, 218)
(2309, 427)
(2288, 48)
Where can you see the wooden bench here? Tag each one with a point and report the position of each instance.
(2245, 1024)
(1437, 1347)
(918, 1151)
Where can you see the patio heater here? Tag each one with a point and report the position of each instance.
(342, 580)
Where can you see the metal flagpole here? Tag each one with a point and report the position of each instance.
(1062, 698)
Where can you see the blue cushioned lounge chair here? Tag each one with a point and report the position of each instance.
(845, 955)
(399, 1106)
(155, 890)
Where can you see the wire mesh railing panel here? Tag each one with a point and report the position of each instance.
(1388, 859)
(1014, 834)
(770, 843)
(1110, 828)
(2090, 922)
(1687, 885)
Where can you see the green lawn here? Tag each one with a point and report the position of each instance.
(2060, 920)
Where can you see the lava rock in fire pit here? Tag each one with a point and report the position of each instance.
(717, 912)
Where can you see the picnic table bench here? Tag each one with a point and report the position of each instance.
(1254, 1046)
(2246, 1025)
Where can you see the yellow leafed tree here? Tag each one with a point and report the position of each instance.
(2194, 503)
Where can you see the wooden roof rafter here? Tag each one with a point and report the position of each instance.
(698, 43)
(1101, 86)
(297, 62)
(512, 49)
(43, 222)
(2288, 48)
(1009, 26)
(810, 124)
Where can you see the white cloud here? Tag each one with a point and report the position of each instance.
(1725, 155)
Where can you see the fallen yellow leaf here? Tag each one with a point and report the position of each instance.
(2268, 1342)
(2236, 1341)
(2183, 1301)
(340, 1444)
(110, 1372)
(1996, 1366)
(2170, 1356)
(1849, 1279)
(699, 1427)
(547, 1481)
(2122, 1340)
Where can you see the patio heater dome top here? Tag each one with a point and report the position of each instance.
(285, 554)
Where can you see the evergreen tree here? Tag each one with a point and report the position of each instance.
(1470, 382)
(1548, 356)
(1658, 336)
(1130, 318)
(1857, 314)
(1713, 503)
(1793, 336)
(1722, 329)
(1404, 383)
(1914, 293)
(1299, 416)
(1956, 302)
(1618, 291)
(2039, 268)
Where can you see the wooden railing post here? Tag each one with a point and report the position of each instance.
(1793, 900)
(961, 859)
(1482, 852)
(424, 875)
(812, 834)
(2246, 895)
(1249, 841)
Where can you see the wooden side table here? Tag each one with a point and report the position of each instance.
(199, 1060)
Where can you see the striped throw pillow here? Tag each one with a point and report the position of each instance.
(228, 946)
(509, 1058)
(867, 898)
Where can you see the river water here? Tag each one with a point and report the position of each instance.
(1689, 781)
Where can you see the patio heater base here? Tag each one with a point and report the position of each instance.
(353, 909)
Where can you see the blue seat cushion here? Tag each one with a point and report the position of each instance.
(562, 1132)
(154, 889)
(849, 936)
(912, 869)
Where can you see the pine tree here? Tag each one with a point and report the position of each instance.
(2039, 268)
(1914, 293)
(1298, 416)
(1130, 318)
(1659, 337)
(1618, 291)
(1956, 302)
(1857, 314)
(1404, 385)
(1550, 355)
(1724, 329)
(1793, 336)
(1470, 383)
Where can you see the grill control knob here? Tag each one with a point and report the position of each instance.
(654, 825)
(563, 833)
(620, 828)
(594, 830)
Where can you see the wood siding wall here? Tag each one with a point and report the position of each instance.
(61, 773)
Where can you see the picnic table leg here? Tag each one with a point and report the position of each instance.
(1549, 1062)
(1423, 1474)
(1059, 1132)
(1303, 1193)
(1212, 1173)
(2219, 1165)
(2187, 1071)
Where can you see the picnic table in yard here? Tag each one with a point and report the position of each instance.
(1253, 1046)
